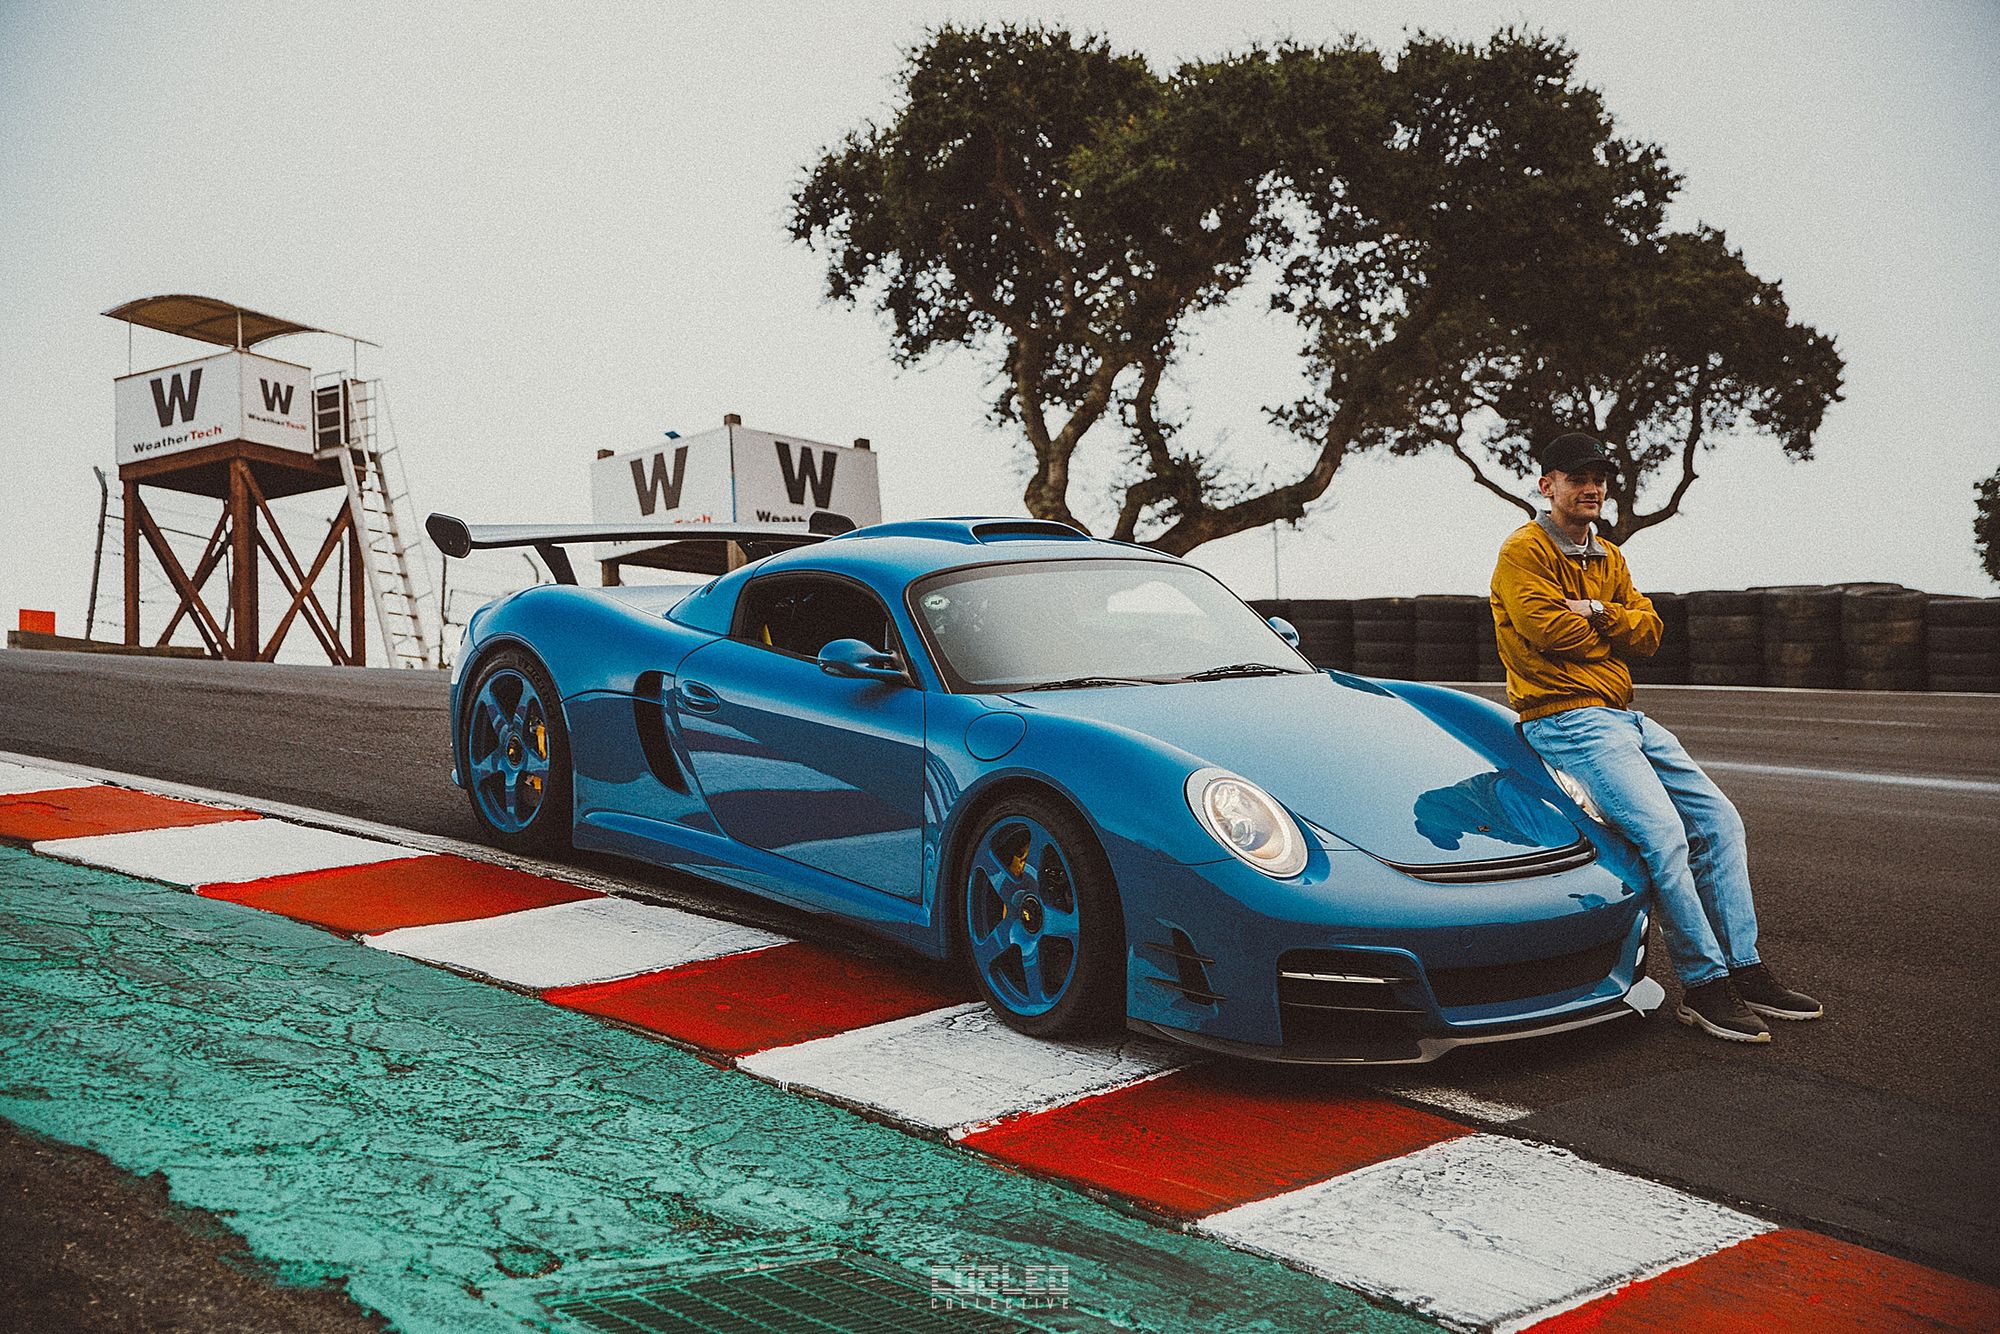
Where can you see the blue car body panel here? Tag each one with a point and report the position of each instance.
(1442, 856)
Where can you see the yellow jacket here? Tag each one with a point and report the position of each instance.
(1555, 659)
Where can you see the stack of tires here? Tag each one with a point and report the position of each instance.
(1326, 631)
(1802, 636)
(1486, 665)
(1725, 632)
(1444, 636)
(1882, 638)
(1384, 637)
(1669, 666)
(1962, 643)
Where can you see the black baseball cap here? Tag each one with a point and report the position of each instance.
(1568, 453)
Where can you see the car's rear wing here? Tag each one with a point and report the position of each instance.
(456, 538)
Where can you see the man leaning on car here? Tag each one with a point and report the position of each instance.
(1567, 616)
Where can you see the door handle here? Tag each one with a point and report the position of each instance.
(698, 698)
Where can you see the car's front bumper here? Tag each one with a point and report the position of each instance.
(1356, 962)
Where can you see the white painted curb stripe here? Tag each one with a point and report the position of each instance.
(16, 779)
(1483, 1230)
(955, 1068)
(233, 850)
(592, 940)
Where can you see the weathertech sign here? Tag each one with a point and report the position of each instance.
(735, 475)
(234, 396)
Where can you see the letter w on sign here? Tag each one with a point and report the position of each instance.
(811, 469)
(277, 397)
(173, 395)
(657, 486)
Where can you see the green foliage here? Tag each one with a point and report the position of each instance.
(1471, 252)
(1986, 525)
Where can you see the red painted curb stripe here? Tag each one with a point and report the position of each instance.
(742, 1003)
(1789, 1282)
(1209, 1138)
(416, 891)
(79, 812)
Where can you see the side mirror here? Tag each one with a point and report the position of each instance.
(856, 659)
(1286, 630)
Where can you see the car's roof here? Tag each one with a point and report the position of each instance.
(888, 556)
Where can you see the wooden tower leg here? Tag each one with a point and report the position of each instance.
(131, 490)
(357, 596)
(243, 564)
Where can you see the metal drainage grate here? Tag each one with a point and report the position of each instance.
(836, 1295)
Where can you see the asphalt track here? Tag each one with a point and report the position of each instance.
(1870, 819)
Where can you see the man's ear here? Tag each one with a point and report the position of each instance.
(1543, 485)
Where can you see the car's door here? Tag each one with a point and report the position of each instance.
(825, 770)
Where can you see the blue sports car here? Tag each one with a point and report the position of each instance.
(1085, 769)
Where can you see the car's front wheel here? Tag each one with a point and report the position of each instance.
(516, 753)
(1040, 919)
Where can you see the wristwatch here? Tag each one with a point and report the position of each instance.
(1599, 617)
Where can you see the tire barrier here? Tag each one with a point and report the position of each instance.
(1802, 636)
(1725, 638)
(1486, 655)
(1444, 636)
(1882, 639)
(1859, 636)
(1962, 643)
(1669, 666)
(1384, 637)
(1326, 631)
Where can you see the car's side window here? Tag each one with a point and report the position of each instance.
(802, 614)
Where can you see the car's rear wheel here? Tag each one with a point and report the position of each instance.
(1040, 919)
(516, 749)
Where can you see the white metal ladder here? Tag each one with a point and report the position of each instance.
(344, 412)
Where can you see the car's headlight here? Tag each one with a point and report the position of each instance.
(1577, 794)
(1244, 819)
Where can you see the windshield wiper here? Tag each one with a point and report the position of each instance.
(1084, 683)
(1242, 669)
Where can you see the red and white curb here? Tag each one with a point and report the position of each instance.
(1410, 1206)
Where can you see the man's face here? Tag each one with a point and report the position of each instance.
(1576, 498)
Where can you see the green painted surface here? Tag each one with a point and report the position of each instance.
(458, 1153)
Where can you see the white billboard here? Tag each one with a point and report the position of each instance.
(734, 475)
(231, 396)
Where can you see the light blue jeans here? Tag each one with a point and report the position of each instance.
(1686, 830)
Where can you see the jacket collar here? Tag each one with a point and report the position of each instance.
(1585, 550)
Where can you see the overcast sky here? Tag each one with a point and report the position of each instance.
(564, 225)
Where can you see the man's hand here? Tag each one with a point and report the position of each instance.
(1594, 612)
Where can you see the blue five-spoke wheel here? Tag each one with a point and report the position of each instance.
(1021, 914)
(507, 751)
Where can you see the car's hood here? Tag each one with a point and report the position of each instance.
(1358, 762)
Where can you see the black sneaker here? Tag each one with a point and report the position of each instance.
(1716, 1009)
(1771, 998)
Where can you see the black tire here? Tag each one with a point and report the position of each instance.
(1909, 632)
(1862, 607)
(1884, 657)
(1962, 638)
(1725, 602)
(1703, 626)
(1986, 684)
(1963, 611)
(549, 828)
(1962, 664)
(1094, 1000)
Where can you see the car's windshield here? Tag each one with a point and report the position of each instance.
(1091, 622)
